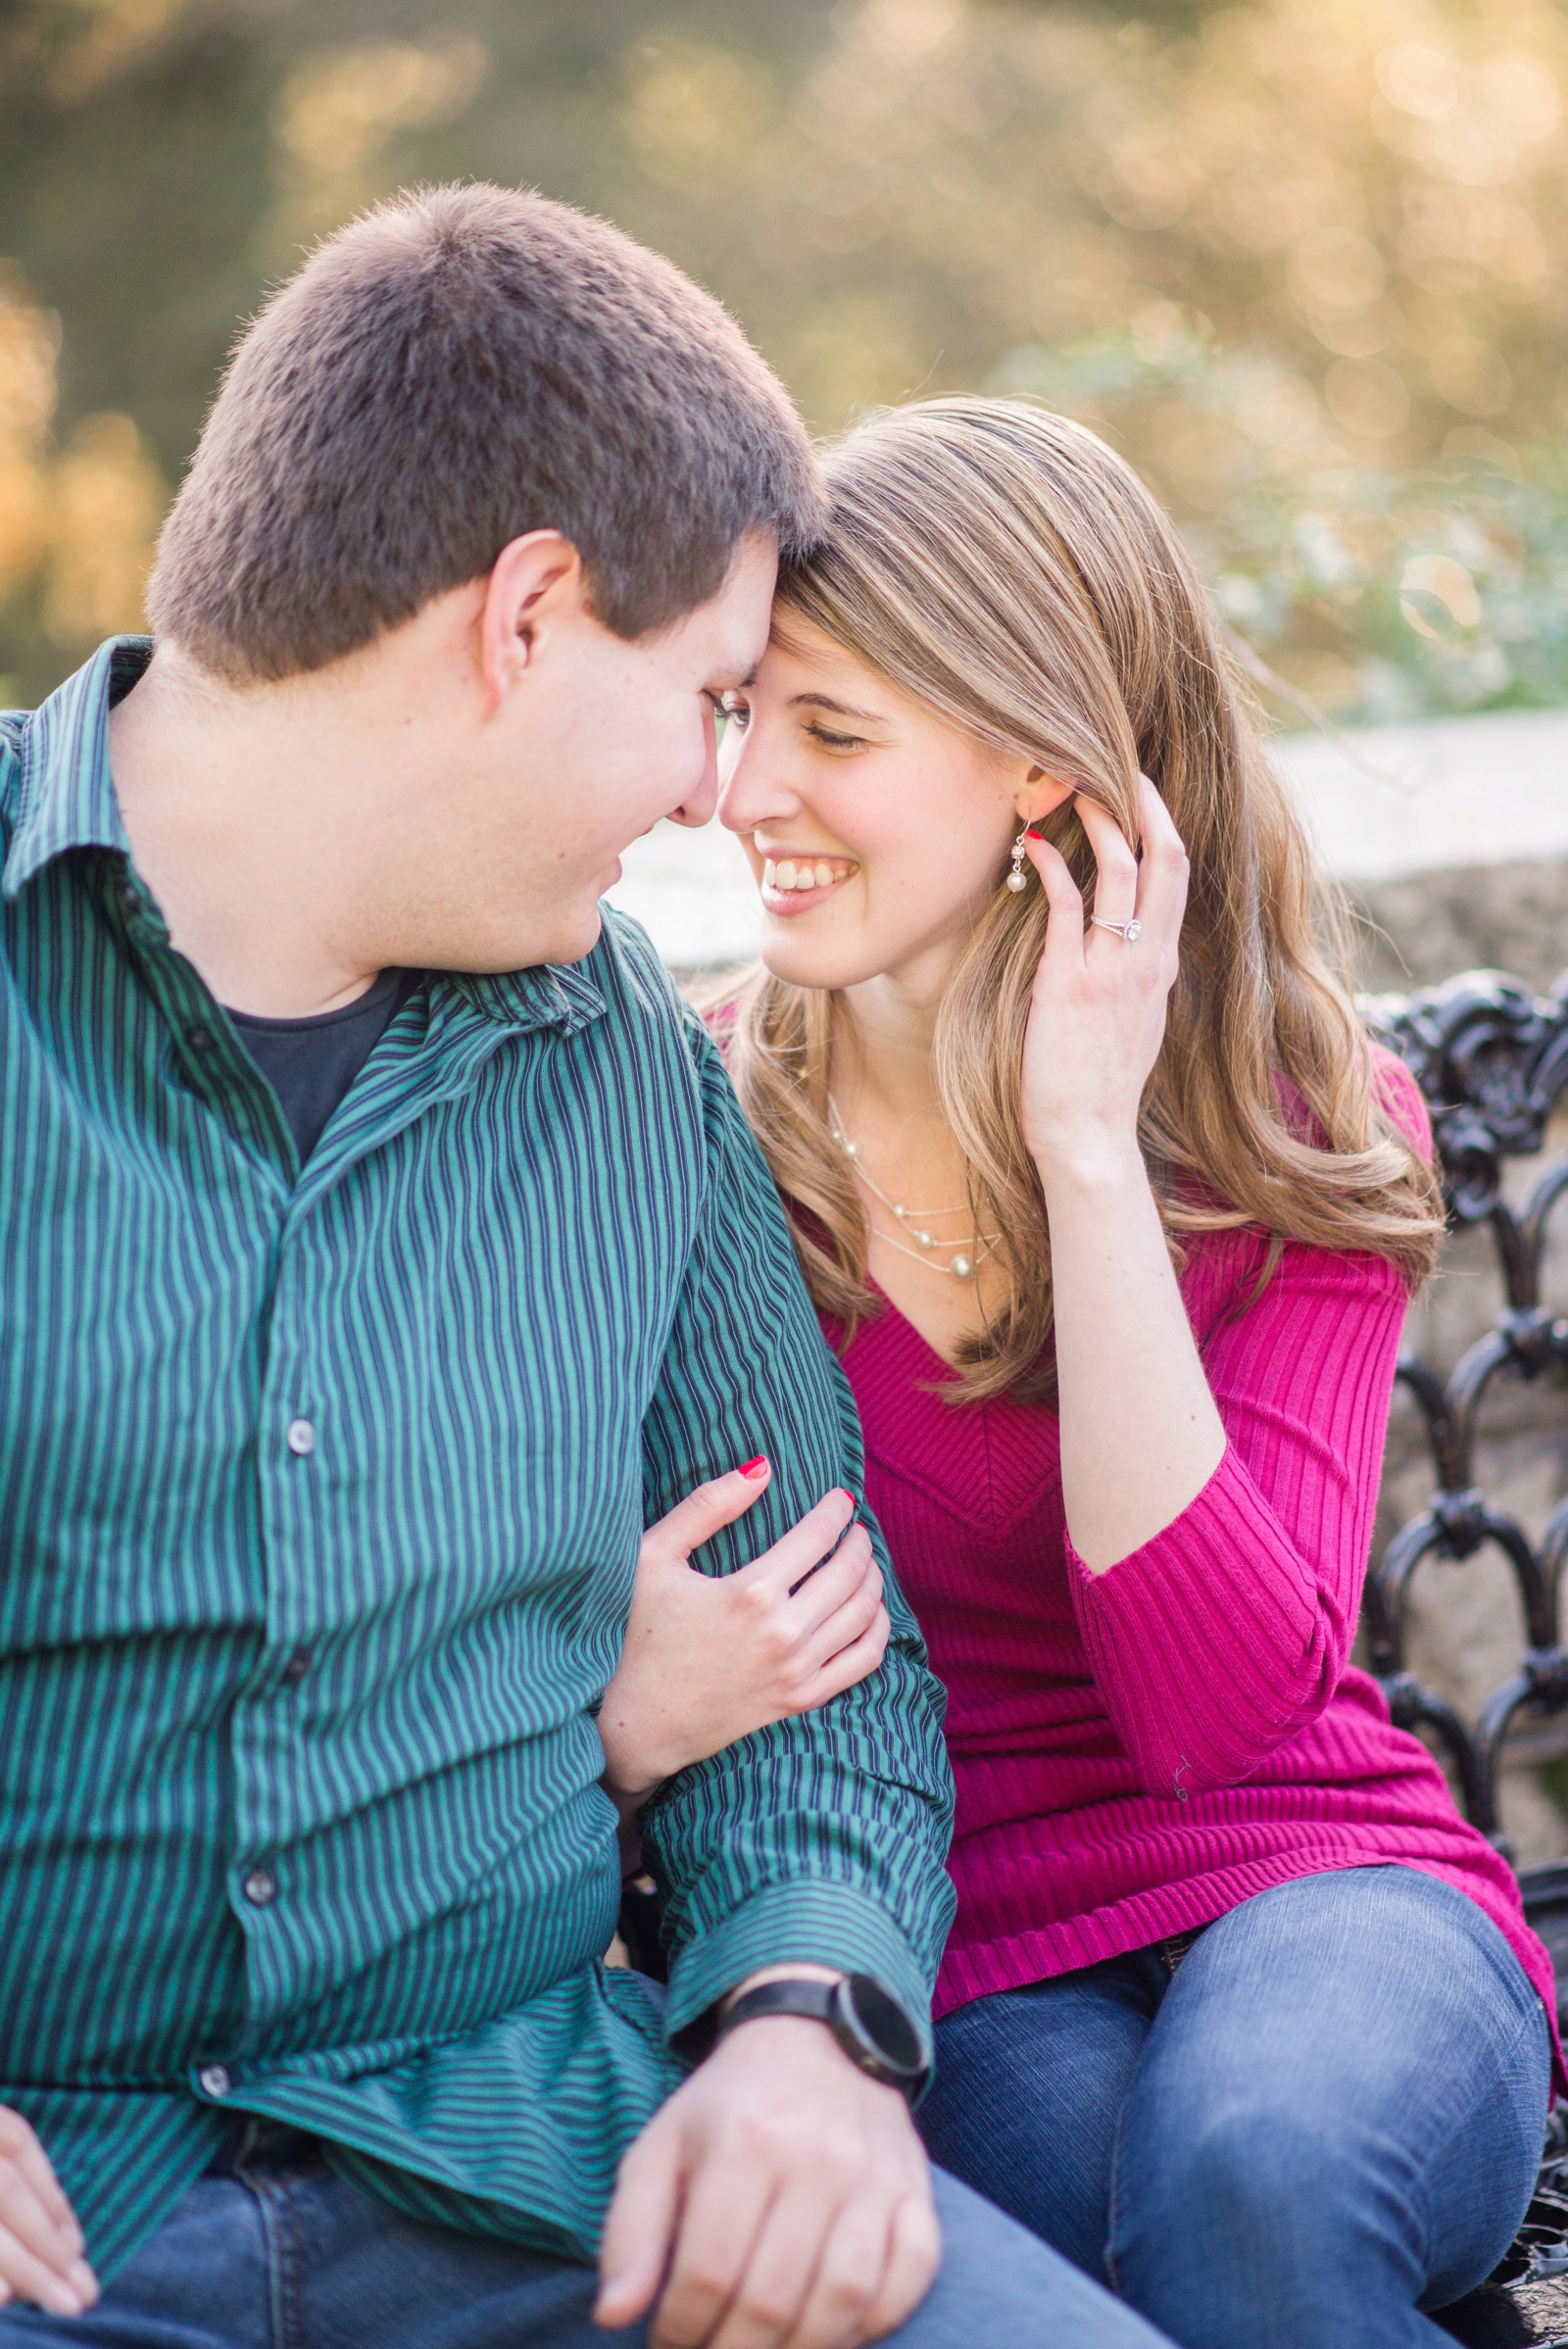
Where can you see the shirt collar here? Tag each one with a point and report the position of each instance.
(556, 995)
(66, 797)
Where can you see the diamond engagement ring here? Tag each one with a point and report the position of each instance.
(1126, 931)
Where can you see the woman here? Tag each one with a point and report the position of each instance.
(1115, 1242)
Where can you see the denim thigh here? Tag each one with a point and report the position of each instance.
(1028, 2095)
(1355, 2059)
(1336, 2121)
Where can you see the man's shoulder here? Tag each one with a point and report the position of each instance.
(626, 968)
(625, 945)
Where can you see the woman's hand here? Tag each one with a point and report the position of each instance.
(709, 1658)
(1098, 1015)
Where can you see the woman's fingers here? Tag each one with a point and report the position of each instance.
(1064, 933)
(810, 1603)
(1116, 865)
(1097, 1023)
(806, 1544)
(819, 1637)
(1162, 882)
(850, 1665)
(813, 1665)
(1150, 891)
(854, 1612)
(706, 1512)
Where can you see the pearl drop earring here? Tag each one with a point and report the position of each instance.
(1017, 879)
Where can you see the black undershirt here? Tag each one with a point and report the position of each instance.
(310, 1064)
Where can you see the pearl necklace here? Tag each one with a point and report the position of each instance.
(961, 1267)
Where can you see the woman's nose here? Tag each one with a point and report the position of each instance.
(751, 790)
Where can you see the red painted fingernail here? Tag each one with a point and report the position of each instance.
(757, 1467)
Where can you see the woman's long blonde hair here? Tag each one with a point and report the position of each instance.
(1004, 567)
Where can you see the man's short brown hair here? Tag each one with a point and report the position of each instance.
(456, 368)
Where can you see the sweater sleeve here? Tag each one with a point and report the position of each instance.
(1229, 1632)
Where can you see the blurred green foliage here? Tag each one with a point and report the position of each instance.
(1305, 260)
(1374, 590)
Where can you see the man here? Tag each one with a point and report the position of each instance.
(380, 1249)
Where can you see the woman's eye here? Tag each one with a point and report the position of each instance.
(835, 742)
(732, 709)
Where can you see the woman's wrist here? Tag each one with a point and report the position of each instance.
(1099, 1165)
(629, 1776)
(629, 1797)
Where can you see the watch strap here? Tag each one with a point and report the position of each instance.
(817, 2002)
(841, 2005)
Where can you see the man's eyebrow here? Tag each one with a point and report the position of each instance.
(822, 700)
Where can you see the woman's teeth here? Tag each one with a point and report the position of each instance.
(805, 872)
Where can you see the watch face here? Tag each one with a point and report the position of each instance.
(884, 2025)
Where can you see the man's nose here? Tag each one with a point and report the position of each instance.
(699, 804)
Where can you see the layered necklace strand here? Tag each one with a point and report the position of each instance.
(963, 1266)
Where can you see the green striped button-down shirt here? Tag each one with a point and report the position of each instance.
(320, 1492)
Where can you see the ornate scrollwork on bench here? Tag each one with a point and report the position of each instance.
(1492, 1060)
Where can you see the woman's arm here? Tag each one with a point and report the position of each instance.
(1219, 1512)
(1228, 1631)
(1140, 1432)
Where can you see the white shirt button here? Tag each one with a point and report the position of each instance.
(259, 1886)
(301, 1438)
(213, 2080)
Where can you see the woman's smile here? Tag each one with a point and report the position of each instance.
(797, 884)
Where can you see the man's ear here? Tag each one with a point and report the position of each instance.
(534, 581)
(1039, 795)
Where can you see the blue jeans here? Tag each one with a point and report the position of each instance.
(1298, 2129)
(280, 2253)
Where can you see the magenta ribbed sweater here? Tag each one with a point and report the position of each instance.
(1138, 1750)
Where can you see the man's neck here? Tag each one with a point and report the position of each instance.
(240, 807)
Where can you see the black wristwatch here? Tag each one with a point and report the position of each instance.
(868, 2024)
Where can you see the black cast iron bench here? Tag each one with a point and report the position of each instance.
(1492, 1060)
